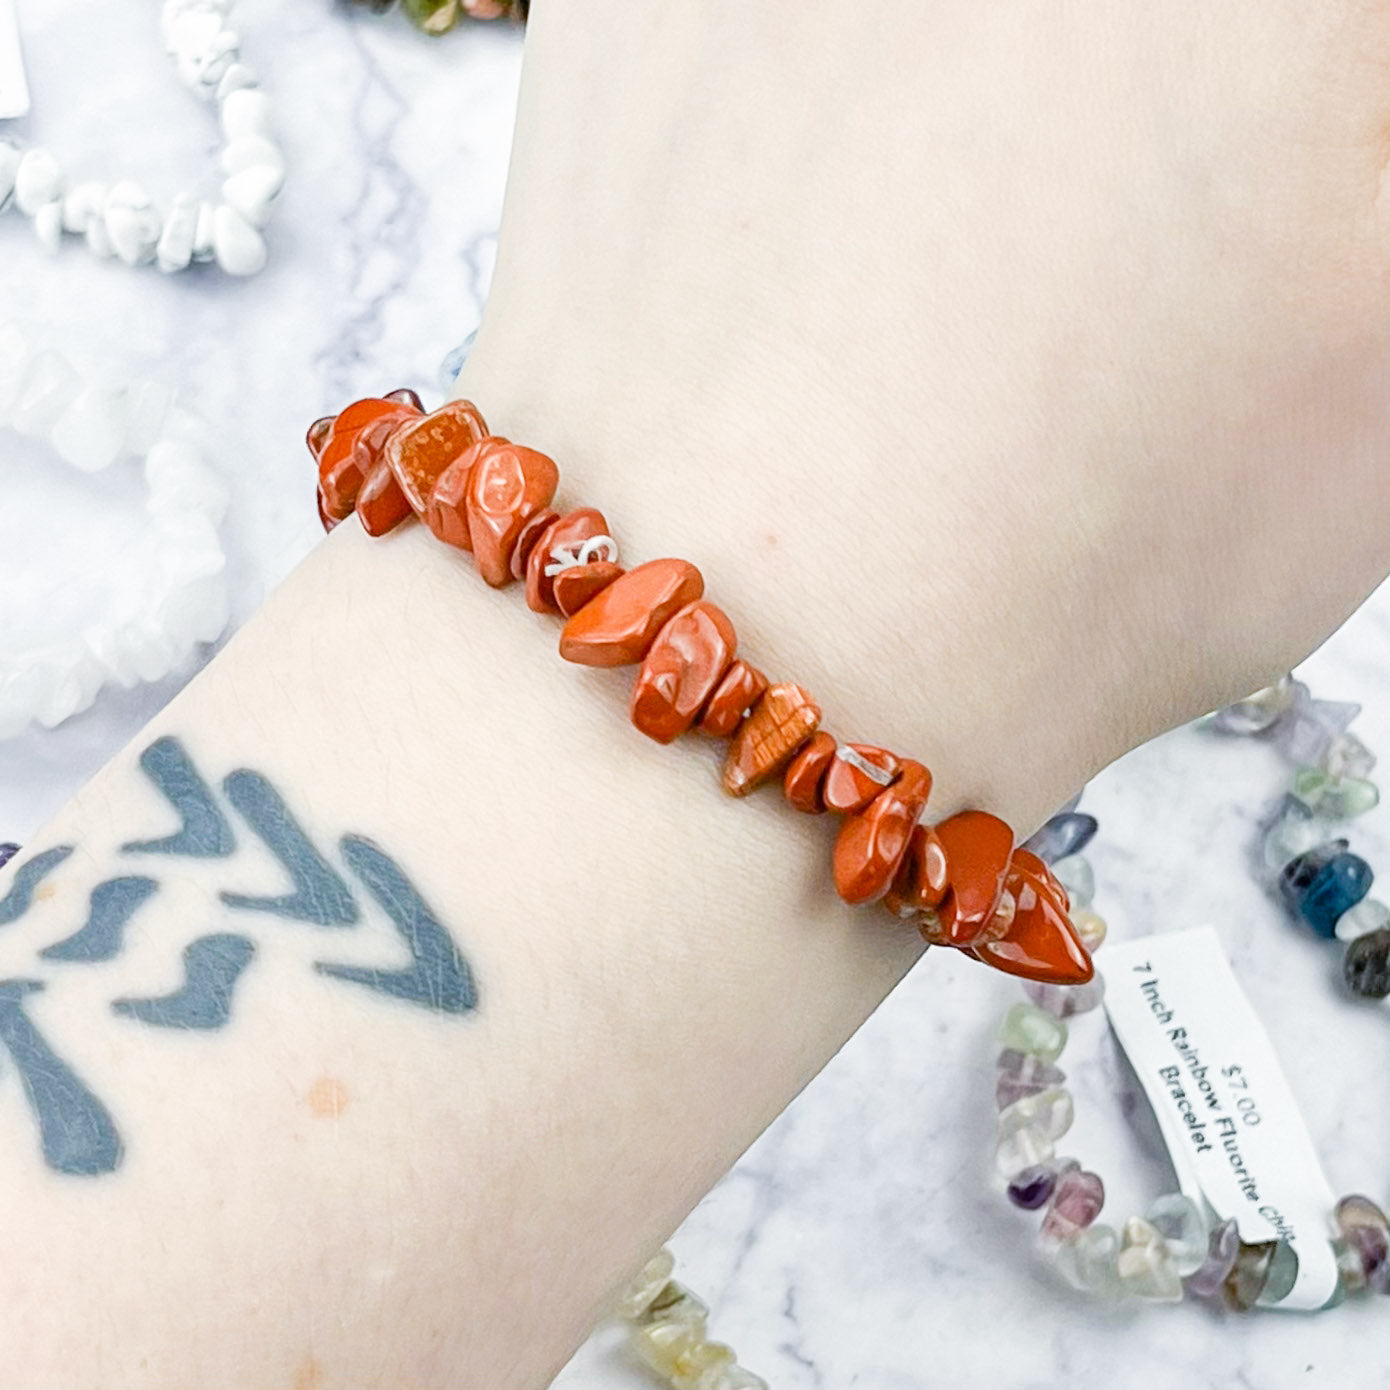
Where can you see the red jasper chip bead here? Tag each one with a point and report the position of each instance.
(446, 512)
(508, 485)
(801, 784)
(617, 627)
(978, 846)
(403, 395)
(848, 787)
(581, 584)
(922, 878)
(1029, 862)
(381, 505)
(526, 540)
(567, 535)
(1040, 942)
(420, 449)
(871, 843)
(351, 452)
(317, 435)
(681, 669)
(733, 697)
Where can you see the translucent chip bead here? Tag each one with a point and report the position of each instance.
(1362, 918)
(728, 1378)
(1023, 1074)
(1090, 927)
(1049, 1113)
(1088, 1260)
(1030, 1029)
(1075, 874)
(1249, 1274)
(676, 1303)
(642, 1291)
(1260, 711)
(665, 1346)
(695, 1366)
(1145, 1265)
(1362, 1224)
(1295, 831)
(1075, 1204)
(1283, 1271)
(1347, 756)
(1183, 1226)
(1066, 834)
(1334, 798)
(1065, 1001)
(1223, 1245)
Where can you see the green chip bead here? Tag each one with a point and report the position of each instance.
(433, 16)
(1334, 798)
(1033, 1030)
(1283, 1271)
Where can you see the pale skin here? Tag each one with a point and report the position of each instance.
(1018, 381)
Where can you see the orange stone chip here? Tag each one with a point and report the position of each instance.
(806, 772)
(317, 436)
(509, 484)
(527, 538)
(446, 513)
(856, 774)
(381, 505)
(1029, 862)
(871, 844)
(566, 536)
(733, 697)
(581, 584)
(422, 449)
(620, 624)
(681, 669)
(922, 877)
(1040, 942)
(978, 848)
(782, 720)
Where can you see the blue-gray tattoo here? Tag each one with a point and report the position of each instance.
(76, 1132)
(30, 874)
(205, 831)
(114, 903)
(211, 967)
(438, 976)
(320, 895)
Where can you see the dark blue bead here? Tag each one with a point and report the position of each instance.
(1068, 833)
(1322, 884)
(7, 852)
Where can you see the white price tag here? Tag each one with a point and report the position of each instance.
(1231, 1124)
(14, 90)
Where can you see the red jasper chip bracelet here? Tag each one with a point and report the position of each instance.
(961, 882)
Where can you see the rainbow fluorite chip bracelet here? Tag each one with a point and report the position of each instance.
(1175, 1250)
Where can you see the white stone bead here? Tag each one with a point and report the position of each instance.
(14, 362)
(236, 79)
(149, 402)
(82, 202)
(179, 483)
(48, 226)
(69, 688)
(251, 193)
(49, 385)
(174, 249)
(38, 180)
(90, 433)
(250, 152)
(20, 695)
(132, 223)
(172, 10)
(201, 68)
(239, 247)
(98, 242)
(10, 156)
(245, 111)
(204, 234)
(191, 29)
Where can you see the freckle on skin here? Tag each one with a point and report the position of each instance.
(770, 540)
(308, 1376)
(327, 1098)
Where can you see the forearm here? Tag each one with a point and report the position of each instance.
(399, 1193)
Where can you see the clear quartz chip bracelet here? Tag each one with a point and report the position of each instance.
(60, 643)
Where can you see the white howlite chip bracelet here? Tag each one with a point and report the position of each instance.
(119, 218)
(138, 612)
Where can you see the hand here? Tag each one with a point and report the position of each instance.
(1018, 377)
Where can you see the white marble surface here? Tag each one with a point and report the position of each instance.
(859, 1242)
